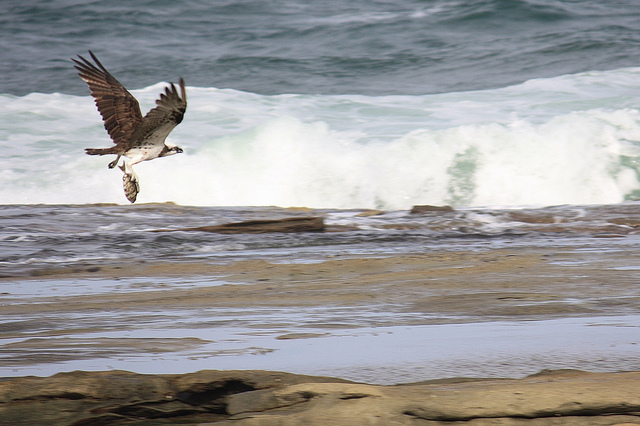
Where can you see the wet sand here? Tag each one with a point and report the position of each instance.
(264, 315)
(464, 286)
(489, 313)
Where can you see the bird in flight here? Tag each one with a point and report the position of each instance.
(136, 137)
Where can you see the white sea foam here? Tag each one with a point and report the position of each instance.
(572, 139)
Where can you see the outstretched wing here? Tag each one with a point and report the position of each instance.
(162, 119)
(120, 111)
(171, 107)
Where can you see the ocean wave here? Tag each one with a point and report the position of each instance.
(329, 47)
(572, 139)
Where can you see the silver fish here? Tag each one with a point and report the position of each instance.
(131, 186)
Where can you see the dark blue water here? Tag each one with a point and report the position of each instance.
(326, 47)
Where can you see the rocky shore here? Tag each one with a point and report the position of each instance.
(166, 313)
(272, 398)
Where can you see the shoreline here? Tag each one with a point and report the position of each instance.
(543, 307)
(348, 320)
(521, 283)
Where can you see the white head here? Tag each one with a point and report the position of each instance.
(170, 149)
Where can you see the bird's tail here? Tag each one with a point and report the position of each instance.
(99, 151)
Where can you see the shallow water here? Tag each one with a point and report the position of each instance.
(502, 292)
(33, 237)
(384, 355)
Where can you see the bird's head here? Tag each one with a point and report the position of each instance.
(170, 150)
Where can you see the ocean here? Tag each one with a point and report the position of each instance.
(523, 116)
(326, 104)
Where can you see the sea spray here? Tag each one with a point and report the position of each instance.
(566, 140)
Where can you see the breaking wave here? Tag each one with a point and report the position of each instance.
(573, 139)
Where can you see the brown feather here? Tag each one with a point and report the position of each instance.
(120, 111)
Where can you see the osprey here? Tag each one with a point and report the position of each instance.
(136, 137)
